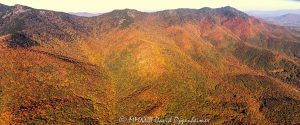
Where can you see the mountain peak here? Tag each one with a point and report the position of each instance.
(85, 14)
(132, 13)
(206, 9)
(18, 5)
(231, 12)
(17, 9)
(229, 8)
(125, 11)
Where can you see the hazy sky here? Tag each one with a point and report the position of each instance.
(152, 5)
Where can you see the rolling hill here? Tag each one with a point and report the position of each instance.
(217, 64)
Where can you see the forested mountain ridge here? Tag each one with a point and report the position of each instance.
(217, 64)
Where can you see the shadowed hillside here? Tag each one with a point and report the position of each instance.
(217, 64)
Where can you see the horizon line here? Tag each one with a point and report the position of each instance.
(102, 12)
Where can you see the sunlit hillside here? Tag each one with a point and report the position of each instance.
(217, 64)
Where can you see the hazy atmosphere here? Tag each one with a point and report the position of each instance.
(96, 6)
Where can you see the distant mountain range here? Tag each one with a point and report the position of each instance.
(85, 14)
(216, 64)
(285, 20)
(289, 18)
(277, 13)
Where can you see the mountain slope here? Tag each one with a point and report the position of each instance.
(217, 64)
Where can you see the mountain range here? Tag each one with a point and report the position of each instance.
(85, 14)
(218, 64)
(289, 20)
(275, 13)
